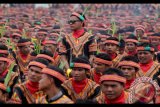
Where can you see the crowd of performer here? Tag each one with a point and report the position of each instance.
(80, 54)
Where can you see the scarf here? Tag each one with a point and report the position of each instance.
(4, 73)
(79, 86)
(146, 67)
(119, 100)
(128, 83)
(32, 86)
(96, 77)
(132, 53)
(114, 55)
(78, 33)
(24, 57)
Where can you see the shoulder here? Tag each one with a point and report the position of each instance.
(64, 99)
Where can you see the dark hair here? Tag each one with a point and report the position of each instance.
(56, 80)
(13, 26)
(122, 43)
(23, 40)
(132, 37)
(46, 52)
(79, 18)
(114, 71)
(44, 30)
(15, 35)
(3, 47)
(81, 59)
(56, 27)
(144, 44)
(131, 58)
(33, 53)
(103, 32)
(113, 38)
(80, 14)
(41, 60)
(104, 56)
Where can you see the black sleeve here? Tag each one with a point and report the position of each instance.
(86, 47)
(96, 92)
(21, 95)
(15, 80)
(65, 92)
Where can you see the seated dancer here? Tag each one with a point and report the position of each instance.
(112, 45)
(149, 67)
(155, 41)
(102, 36)
(16, 36)
(112, 88)
(101, 62)
(8, 78)
(25, 93)
(131, 45)
(129, 66)
(41, 35)
(50, 84)
(80, 87)
(23, 56)
(51, 46)
(45, 54)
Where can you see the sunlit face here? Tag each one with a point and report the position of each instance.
(111, 48)
(50, 47)
(139, 33)
(34, 73)
(15, 39)
(41, 37)
(76, 23)
(129, 72)
(130, 46)
(112, 89)
(155, 41)
(25, 49)
(79, 74)
(45, 82)
(100, 67)
(145, 56)
(3, 66)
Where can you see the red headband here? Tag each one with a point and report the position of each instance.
(140, 29)
(145, 49)
(156, 37)
(54, 73)
(112, 78)
(82, 65)
(45, 56)
(3, 87)
(78, 15)
(54, 34)
(128, 63)
(5, 59)
(38, 64)
(4, 51)
(23, 44)
(103, 61)
(112, 41)
(132, 40)
(49, 42)
(41, 32)
(16, 34)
